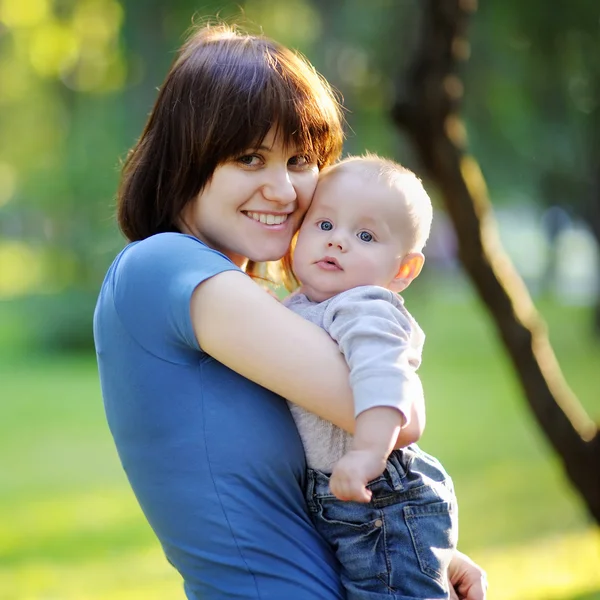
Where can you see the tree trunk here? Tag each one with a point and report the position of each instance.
(593, 217)
(429, 113)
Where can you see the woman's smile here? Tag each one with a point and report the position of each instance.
(272, 192)
(267, 218)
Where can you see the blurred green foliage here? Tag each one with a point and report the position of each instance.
(80, 76)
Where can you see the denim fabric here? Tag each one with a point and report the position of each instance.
(399, 545)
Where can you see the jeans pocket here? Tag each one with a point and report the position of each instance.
(348, 514)
(356, 535)
(434, 532)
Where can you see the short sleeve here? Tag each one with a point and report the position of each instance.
(153, 282)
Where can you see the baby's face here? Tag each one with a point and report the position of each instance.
(352, 235)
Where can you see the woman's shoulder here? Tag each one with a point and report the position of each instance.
(150, 285)
(168, 243)
(169, 253)
(162, 271)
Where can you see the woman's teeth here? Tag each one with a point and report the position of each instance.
(268, 219)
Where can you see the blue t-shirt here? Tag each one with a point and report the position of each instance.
(215, 460)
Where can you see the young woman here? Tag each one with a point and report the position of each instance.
(194, 357)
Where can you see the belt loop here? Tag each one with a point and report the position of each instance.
(395, 470)
(310, 489)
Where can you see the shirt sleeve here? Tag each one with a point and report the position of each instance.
(152, 288)
(376, 338)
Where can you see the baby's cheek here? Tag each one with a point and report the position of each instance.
(299, 256)
(370, 266)
(371, 272)
(299, 264)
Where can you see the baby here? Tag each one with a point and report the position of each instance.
(390, 515)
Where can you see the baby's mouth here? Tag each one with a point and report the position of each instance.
(329, 263)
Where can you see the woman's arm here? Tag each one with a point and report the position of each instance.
(253, 334)
(256, 336)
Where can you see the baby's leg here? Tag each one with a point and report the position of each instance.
(399, 545)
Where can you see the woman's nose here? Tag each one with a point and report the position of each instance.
(279, 187)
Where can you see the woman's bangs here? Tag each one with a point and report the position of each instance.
(288, 103)
(291, 124)
(277, 91)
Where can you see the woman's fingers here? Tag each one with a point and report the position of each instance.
(468, 579)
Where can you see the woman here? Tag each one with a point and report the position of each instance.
(193, 355)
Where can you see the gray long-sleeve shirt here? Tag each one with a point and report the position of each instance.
(382, 345)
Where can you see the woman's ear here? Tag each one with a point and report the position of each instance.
(409, 269)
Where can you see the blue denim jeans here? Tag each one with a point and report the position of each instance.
(399, 545)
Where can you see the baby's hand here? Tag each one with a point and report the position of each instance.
(352, 473)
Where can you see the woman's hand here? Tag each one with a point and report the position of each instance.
(468, 581)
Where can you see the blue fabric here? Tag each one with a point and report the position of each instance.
(399, 545)
(215, 460)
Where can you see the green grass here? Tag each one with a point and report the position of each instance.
(71, 530)
(479, 423)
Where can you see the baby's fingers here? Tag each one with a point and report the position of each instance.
(349, 490)
(363, 495)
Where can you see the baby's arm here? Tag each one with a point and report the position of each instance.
(375, 336)
(377, 431)
(375, 434)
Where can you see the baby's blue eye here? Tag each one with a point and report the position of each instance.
(365, 236)
(325, 226)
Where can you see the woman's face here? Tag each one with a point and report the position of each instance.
(253, 204)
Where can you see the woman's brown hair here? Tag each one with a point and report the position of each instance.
(223, 93)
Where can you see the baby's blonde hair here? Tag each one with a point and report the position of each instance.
(415, 199)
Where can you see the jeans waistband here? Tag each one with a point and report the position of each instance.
(391, 480)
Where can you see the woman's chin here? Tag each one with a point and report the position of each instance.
(273, 253)
(261, 258)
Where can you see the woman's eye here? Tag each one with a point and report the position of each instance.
(325, 226)
(249, 160)
(365, 236)
(301, 160)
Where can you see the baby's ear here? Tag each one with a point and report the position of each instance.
(409, 269)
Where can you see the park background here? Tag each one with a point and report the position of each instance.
(77, 80)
